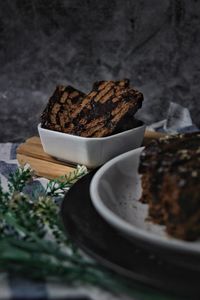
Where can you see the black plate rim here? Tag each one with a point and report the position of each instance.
(148, 281)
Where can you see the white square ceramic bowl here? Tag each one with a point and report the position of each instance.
(91, 152)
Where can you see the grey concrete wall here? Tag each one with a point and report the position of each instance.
(155, 43)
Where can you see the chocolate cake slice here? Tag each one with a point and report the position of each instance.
(57, 114)
(108, 109)
(170, 169)
(104, 110)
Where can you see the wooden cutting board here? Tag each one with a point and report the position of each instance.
(32, 153)
(44, 165)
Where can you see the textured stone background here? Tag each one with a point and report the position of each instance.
(47, 42)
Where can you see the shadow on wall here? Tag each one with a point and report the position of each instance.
(44, 43)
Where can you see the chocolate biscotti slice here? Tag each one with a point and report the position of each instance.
(103, 111)
(57, 113)
(170, 169)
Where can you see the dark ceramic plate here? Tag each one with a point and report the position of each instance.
(98, 239)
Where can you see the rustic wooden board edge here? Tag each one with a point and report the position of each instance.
(44, 168)
(36, 151)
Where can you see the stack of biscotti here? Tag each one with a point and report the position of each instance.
(170, 169)
(109, 108)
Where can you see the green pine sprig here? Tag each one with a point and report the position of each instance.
(57, 187)
(32, 236)
(19, 178)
